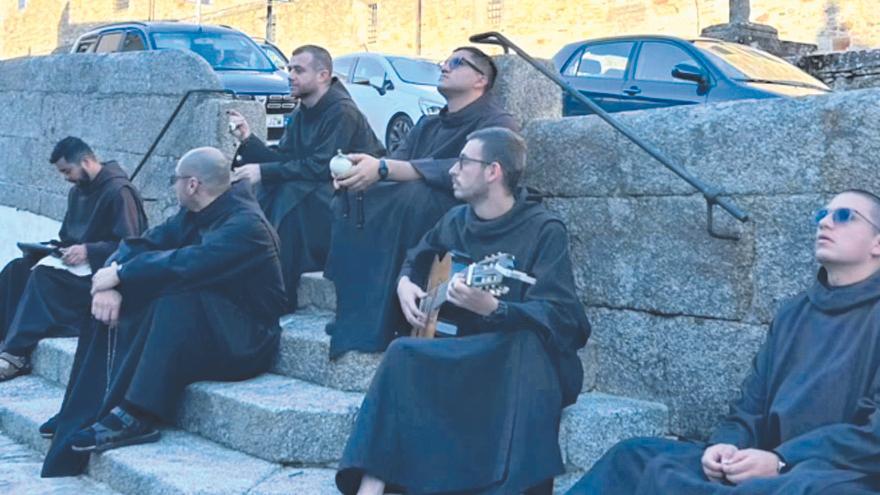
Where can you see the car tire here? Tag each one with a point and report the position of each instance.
(398, 128)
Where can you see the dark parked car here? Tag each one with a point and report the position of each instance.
(239, 62)
(640, 72)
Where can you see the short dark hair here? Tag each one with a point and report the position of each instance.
(484, 62)
(321, 58)
(73, 149)
(506, 147)
(873, 198)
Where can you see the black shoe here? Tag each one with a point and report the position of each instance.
(117, 429)
(47, 429)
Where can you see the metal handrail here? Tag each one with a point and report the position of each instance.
(168, 123)
(711, 194)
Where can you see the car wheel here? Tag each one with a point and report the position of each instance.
(398, 128)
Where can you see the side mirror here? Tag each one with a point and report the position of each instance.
(380, 83)
(692, 73)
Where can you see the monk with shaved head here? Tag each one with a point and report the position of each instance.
(196, 298)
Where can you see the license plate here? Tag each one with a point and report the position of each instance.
(274, 121)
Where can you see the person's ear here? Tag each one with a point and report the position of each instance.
(875, 245)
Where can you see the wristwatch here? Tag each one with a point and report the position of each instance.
(499, 315)
(383, 169)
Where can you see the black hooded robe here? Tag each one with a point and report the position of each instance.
(364, 262)
(480, 412)
(46, 302)
(202, 294)
(812, 397)
(296, 188)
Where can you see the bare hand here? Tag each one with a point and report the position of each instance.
(409, 295)
(74, 255)
(106, 278)
(476, 300)
(249, 172)
(748, 464)
(714, 459)
(238, 126)
(362, 175)
(106, 305)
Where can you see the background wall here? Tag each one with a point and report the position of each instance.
(432, 28)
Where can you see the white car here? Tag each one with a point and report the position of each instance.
(393, 92)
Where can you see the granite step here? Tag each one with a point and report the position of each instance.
(180, 463)
(20, 474)
(588, 428)
(283, 419)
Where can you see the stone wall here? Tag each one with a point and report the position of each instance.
(433, 28)
(117, 103)
(844, 70)
(678, 314)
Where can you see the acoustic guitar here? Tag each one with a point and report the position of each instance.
(488, 274)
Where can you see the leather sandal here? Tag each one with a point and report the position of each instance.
(99, 437)
(12, 366)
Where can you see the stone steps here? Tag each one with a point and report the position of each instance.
(289, 420)
(300, 414)
(180, 463)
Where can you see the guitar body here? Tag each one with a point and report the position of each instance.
(441, 272)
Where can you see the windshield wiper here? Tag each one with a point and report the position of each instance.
(784, 83)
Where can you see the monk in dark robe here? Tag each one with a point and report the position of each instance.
(478, 413)
(36, 302)
(196, 298)
(807, 421)
(370, 237)
(294, 181)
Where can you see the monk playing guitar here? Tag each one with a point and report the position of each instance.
(477, 413)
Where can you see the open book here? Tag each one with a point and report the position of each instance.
(82, 270)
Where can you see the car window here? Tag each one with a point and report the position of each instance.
(656, 61)
(132, 43)
(275, 56)
(416, 71)
(605, 60)
(342, 67)
(224, 51)
(367, 68)
(86, 45)
(109, 42)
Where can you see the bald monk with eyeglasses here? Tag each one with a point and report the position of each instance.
(807, 420)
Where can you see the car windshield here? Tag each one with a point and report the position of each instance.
(416, 71)
(744, 63)
(224, 51)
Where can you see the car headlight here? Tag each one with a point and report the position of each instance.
(430, 107)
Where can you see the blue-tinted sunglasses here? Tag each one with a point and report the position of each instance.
(841, 215)
(456, 62)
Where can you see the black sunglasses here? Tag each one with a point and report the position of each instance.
(456, 62)
(841, 216)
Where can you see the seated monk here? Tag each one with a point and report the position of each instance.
(196, 298)
(477, 413)
(807, 421)
(36, 302)
(294, 182)
(404, 195)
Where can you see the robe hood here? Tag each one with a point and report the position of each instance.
(829, 299)
(480, 107)
(334, 94)
(524, 210)
(110, 172)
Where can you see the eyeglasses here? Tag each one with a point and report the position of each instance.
(456, 62)
(462, 159)
(174, 178)
(841, 216)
